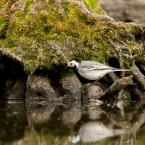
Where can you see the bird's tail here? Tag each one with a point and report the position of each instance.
(122, 70)
(122, 131)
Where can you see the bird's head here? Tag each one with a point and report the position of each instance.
(74, 63)
(74, 139)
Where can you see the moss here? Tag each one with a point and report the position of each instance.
(2, 2)
(95, 6)
(3, 29)
(29, 5)
(48, 37)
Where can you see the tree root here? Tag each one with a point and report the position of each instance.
(116, 87)
(138, 76)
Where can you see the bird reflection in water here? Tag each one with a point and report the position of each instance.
(96, 131)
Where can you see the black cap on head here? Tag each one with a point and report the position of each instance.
(76, 59)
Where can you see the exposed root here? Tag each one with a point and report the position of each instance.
(138, 75)
(117, 86)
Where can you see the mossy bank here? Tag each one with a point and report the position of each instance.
(48, 33)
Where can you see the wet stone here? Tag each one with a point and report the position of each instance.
(38, 87)
(72, 86)
(94, 91)
(91, 92)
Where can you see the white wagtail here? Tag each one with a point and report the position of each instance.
(89, 71)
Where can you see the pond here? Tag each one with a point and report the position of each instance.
(42, 123)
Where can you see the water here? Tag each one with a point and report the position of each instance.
(44, 123)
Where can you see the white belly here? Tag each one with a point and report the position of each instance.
(94, 75)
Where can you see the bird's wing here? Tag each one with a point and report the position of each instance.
(92, 65)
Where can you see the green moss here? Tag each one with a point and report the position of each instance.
(95, 6)
(29, 5)
(48, 37)
(2, 2)
(3, 29)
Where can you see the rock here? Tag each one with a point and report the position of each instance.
(94, 91)
(122, 10)
(12, 79)
(47, 23)
(91, 92)
(61, 30)
(38, 87)
(72, 86)
(15, 89)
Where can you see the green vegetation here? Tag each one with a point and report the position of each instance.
(48, 34)
(95, 6)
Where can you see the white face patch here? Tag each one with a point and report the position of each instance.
(73, 63)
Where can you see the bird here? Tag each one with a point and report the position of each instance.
(96, 131)
(89, 71)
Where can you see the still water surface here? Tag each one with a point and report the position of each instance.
(44, 123)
